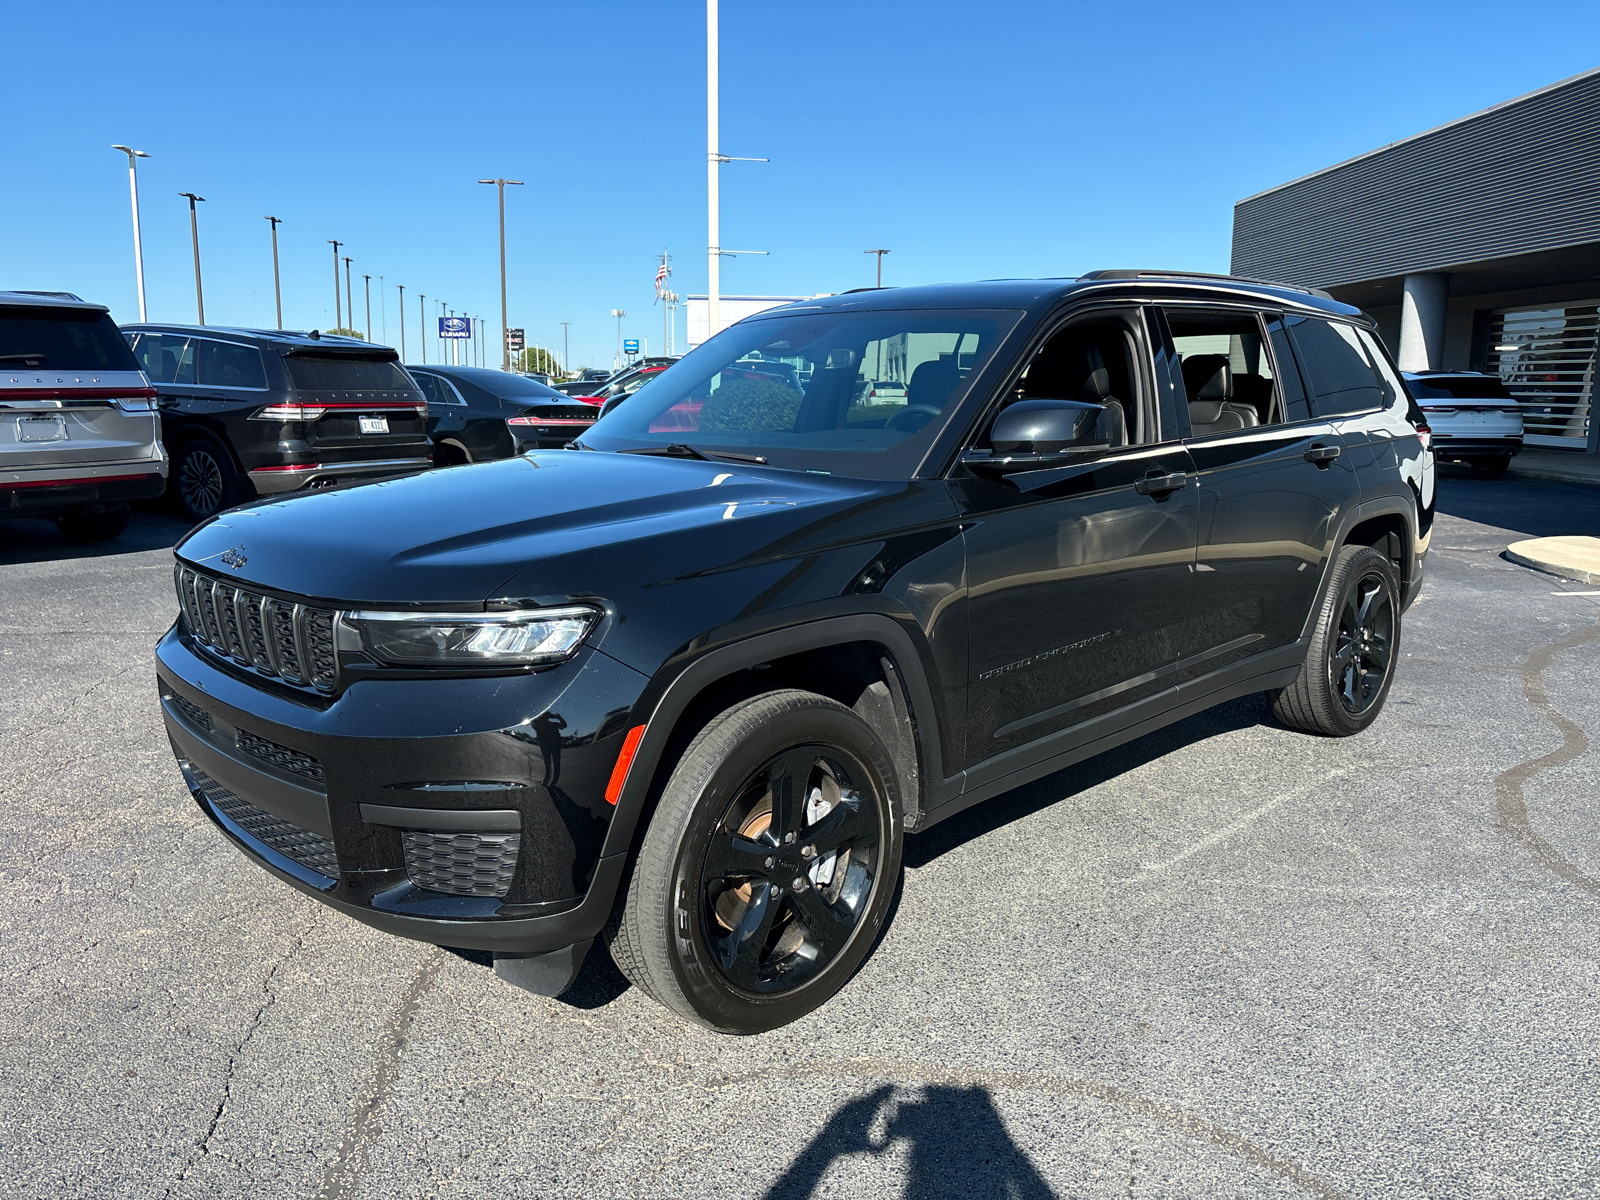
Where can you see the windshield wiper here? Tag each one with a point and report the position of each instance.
(684, 450)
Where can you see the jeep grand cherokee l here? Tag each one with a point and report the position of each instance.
(257, 412)
(687, 685)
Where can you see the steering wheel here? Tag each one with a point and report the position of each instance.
(911, 418)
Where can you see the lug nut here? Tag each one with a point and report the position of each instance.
(771, 862)
(774, 890)
(808, 851)
(799, 883)
(788, 839)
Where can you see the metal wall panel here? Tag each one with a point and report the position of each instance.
(1521, 177)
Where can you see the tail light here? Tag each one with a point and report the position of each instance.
(135, 399)
(1440, 409)
(526, 420)
(1425, 435)
(311, 412)
(290, 412)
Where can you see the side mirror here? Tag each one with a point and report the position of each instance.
(1033, 434)
(1048, 427)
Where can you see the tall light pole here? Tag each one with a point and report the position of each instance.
(367, 281)
(422, 324)
(194, 236)
(713, 161)
(133, 192)
(338, 321)
(277, 288)
(618, 313)
(349, 304)
(383, 312)
(880, 254)
(402, 288)
(500, 187)
(566, 349)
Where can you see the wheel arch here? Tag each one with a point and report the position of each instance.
(195, 427)
(868, 662)
(1387, 522)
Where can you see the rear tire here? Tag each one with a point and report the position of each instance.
(93, 526)
(754, 897)
(1491, 468)
(204, 481)
(1350, 663)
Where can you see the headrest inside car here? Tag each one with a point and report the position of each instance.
(1208, 377)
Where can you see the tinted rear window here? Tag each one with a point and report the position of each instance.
(1342, 379)
(1460, 387)
(62, 339)
(343, 373)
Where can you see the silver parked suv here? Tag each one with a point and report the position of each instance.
(79, 435)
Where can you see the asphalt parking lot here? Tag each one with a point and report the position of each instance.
(1225, 960)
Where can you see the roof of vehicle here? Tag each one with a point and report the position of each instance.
(17, 299)
(1044, 293)
(312, 340)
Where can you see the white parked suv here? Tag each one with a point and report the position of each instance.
(1473, 418)
(79, 434)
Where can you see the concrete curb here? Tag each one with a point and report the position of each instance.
(1571, 557)
(1553, 474)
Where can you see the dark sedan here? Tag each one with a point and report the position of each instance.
(476, 414)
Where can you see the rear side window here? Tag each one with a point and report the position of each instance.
(1338, 371)
(230, 365)
(62, 339)
(1294, 392)
(166, 357)
(344, 373)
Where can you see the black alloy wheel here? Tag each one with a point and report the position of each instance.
(768, 867)
(1358, 660)
(1350, 662)
(204, 479)
(785, 878)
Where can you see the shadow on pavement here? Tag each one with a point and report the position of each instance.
(1243, 713)
(1530, 507)
(953, 1138)
(598, 982)
(30, 540)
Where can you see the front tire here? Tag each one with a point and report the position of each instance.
(768, 868)
(1350, 663)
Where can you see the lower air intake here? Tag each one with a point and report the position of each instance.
(310, 850)
(462, 864)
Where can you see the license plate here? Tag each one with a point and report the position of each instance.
(374, 424)
(41, 429)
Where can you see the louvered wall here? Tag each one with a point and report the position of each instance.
(1521, 177)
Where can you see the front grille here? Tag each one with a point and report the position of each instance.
(197, 716)
(277, 638)
(462, 864)
(280, 756)
(309, 849)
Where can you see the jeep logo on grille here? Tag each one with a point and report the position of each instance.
(234, 558)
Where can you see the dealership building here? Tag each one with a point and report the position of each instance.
(1475, 246)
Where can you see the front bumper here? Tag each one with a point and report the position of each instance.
(347, 799)
(270, 481)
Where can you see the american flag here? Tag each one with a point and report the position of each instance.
(661, 277)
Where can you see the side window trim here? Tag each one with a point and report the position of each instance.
(1282, 370)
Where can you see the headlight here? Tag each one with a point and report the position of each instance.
(529, 637)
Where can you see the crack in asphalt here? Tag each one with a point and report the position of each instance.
(203, 1145)
(1166, 1115)
(1510, 801)
(350, 1162)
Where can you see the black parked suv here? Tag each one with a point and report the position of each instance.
(255, 412)
(686, 686)
(476, 414)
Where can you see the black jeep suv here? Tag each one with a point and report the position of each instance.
(257, 412)
(686, 685)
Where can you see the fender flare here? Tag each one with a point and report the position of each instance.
(763, 647)
(1383, 505)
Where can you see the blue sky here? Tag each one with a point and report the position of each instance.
(973, 140)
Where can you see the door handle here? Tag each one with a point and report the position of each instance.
(1321, 455)
(1156, 483)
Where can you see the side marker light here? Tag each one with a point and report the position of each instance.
(619, 773)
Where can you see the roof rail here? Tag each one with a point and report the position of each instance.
(1147, 274)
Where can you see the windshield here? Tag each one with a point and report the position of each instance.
(799, 390)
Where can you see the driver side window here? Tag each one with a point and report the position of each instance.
(1091, 361)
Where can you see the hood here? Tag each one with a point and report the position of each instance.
(460, 535)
